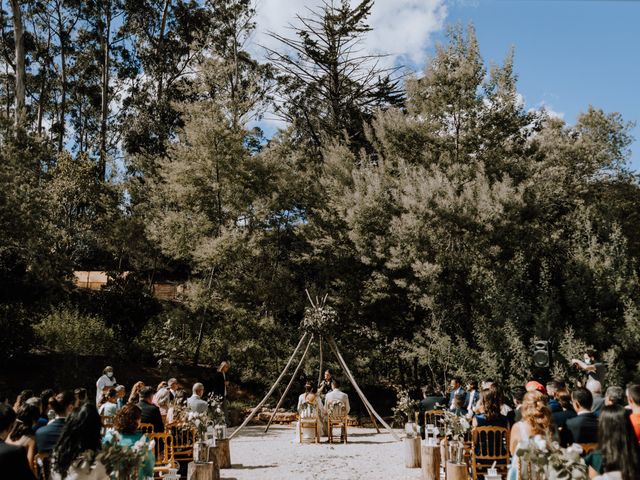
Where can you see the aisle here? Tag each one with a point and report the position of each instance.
(273, 456)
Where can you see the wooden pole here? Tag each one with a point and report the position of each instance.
(286, 390)
(334, 347)
(259, 406)
(320, 373)
(367, 407)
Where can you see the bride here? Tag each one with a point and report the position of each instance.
(310, 406)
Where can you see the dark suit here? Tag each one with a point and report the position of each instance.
(583, 428)
(218, 385)
(598, 403)
(47, 436)
(429, 404)
(559, 419)
(13, 463)
(151, 414)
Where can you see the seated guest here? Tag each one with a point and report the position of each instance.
(618, 449)
(614, 396)
(430, 402)
(583, 428)
(22, 399)
(456, 389)
(13, 459)
(127, 424)
(120, 394)
(595, 387)
(195, 402)
(109, 407)
(633, 397)
(536, 420)
(165, 395)
(458, 405)
(80, 437)
(336, 395)
(488, 410)
(488, 415)
(46, 412)
(47, 437)
(472, 395)
(134, 397)
(150, 412)
(552, 387)
(22, 434)
(560, 418)
(302, 396)
(81, 396)
(179, 403)
(517, 396)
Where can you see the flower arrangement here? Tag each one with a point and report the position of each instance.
(215, 410)
(544, 459)
(307, 410)
(456, 427)
(319, 318)
(120, 461)
(405, 407)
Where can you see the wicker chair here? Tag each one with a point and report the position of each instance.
(308, 420)
(489, 444)
(337, 418)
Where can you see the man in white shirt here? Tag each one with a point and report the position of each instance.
(336, 395)
(165, 396)
(195, 402)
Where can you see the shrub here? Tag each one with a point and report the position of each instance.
(66, 330)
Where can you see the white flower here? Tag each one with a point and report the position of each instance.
(464, 423)
(540, 443)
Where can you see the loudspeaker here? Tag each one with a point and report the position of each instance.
(542, 353)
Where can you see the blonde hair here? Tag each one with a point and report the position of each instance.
(536, 413)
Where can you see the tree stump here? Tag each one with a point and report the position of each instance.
(223, 453)
(202, 471)
(430, 462)
(457, 471)
(411, 452)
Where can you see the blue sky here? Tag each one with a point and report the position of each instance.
(569, 54)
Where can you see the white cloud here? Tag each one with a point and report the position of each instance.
(401, 28)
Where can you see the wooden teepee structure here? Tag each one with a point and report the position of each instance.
(316, 324)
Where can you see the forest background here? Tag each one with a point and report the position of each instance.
(449, 226)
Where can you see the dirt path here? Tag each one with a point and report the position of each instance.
(274, 455)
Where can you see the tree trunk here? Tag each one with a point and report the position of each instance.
(18, 36)
(430, 462)
(63, 77)
(412, 452)
(105, 92)
(159, 53)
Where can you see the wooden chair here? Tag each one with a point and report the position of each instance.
(163, 451)
(434, 417)
(489, 444)
(107, 423)
(528, 471)
(42, 463)
(146, 428)
(337, 417)
(183, 436)
(308, 420)
(588, 447)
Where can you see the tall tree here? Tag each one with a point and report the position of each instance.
(21, 74)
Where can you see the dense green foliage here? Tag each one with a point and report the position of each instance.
(448, 225)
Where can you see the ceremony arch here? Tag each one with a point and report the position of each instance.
(319, 308)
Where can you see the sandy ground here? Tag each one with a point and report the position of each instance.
(274, 455)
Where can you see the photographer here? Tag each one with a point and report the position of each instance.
(594, 370)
